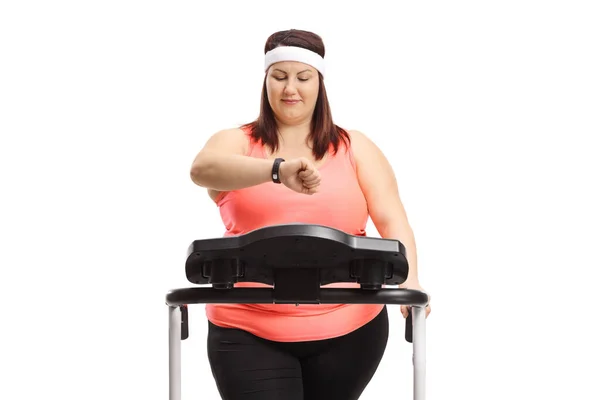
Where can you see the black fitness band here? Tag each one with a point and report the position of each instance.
(275, 171)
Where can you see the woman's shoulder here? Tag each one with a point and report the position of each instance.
(359, 141)
(232, 138)
(363, 148)
(355, 134)
(234, 133)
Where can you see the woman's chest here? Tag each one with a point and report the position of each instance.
(339, 203)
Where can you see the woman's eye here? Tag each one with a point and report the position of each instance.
(280, 78)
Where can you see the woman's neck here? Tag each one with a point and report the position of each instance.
(294, 135)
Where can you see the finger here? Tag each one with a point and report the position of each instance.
(311, 185)
(308, 174)
(310, 190)
(404, 311)
(311, 178)
(307, 169)
(305, 164)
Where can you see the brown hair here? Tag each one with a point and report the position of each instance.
(324, 133)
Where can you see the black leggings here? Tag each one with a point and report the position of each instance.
(246, 367)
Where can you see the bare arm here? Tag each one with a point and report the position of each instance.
(378, 182)
(222, 165)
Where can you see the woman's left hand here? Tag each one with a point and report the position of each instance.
(404, 309)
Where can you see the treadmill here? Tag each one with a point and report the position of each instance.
(296, 260)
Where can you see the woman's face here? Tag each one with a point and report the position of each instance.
(292, 89)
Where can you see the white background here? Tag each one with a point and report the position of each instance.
(488, 112)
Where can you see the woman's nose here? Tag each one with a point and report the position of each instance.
(289, 88)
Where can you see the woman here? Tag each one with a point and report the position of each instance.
(294, 165)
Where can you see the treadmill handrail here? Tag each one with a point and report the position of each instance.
(260, 295)
(182, 297)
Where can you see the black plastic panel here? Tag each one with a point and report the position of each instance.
(263, 254)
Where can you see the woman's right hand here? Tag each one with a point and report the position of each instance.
(300, 175)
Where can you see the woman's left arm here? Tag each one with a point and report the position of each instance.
(378, 183)
(380, 188)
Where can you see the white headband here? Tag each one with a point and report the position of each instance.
(292, 53)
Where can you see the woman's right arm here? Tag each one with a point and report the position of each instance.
(222, 165)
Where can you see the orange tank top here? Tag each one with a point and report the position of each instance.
(339, 204)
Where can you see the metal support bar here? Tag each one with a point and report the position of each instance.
(174, 353)
(418, 352)
(204, 295)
